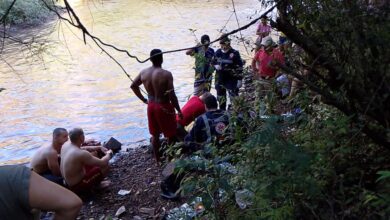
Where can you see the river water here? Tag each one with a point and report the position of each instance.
(65, 83)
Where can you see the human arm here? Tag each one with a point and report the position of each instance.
(135, 87)
(90, 160)
(193, 138)
(53, 165)
(239, 64)
(172, 96)
(94, 148)
(191, 51)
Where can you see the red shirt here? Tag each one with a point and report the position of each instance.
(264, 60)
(192, 109)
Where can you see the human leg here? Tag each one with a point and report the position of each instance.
(46, 195)
(156, 147)
(221, 96)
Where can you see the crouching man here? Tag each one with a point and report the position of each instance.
(210, 127)
(80, 169)
(46, 161)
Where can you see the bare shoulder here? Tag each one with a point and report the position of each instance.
(167, 73)
(49, 151)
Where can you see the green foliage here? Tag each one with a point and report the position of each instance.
(25, 11)
(314, 166)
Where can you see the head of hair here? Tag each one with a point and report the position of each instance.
(264, 17)
(224, 40)
(211, 102)
(75, 134)
(205, 39)
(204, 95)
(58, 131)
(156, 57)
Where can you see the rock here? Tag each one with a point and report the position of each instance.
(91, 219)
(153, 183)
(120, 211)
(137, 217)
(149, 211)
(148, 169)
(102, 217)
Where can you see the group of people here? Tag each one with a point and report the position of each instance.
(203, 108)
(208, 112)
(66, 168)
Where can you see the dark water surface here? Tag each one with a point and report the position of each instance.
(68, 84)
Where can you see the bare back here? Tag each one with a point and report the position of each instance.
(158, 83)
(74, 160)
(72, 166)
(40, 160)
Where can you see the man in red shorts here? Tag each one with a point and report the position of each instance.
(162, 100)
(80, 169)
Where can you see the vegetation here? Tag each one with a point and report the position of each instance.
(27, 12)
(329, 162)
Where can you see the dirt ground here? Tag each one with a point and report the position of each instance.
(137, 172)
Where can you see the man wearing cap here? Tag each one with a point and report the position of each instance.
(264, 64)
(228, 65)
(203, 69)
(265, 60)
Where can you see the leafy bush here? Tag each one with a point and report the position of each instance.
(29, 12)
(310, 166)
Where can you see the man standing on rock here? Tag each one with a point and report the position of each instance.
(162, 100)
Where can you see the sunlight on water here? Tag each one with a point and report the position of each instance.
(70, 84)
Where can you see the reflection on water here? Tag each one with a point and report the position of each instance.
(69, 84)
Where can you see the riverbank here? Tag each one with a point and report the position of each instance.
(135, 171)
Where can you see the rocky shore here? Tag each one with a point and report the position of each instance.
(134, 172)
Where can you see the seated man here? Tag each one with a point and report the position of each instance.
(23, 190)
(208, 126)
(45, 161)
(191, 110)
(80, 169)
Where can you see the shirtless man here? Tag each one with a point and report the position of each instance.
(45, 161)
(162, 100)
(80, 169)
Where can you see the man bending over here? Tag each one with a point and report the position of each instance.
(162, 100)
(45, 161)
(80, 169)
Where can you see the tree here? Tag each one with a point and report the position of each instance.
(347, 43)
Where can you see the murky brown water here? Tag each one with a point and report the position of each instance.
(70, 84)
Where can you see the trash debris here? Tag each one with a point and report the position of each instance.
(124, 192)
(120, 211)
(149, 211)
(198, 205)
(244, 198)
(184, 212)
(113, 144)
(226, 166)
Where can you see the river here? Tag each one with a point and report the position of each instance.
(66, 83)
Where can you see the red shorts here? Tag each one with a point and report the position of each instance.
(93, 176)
(161, 119)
